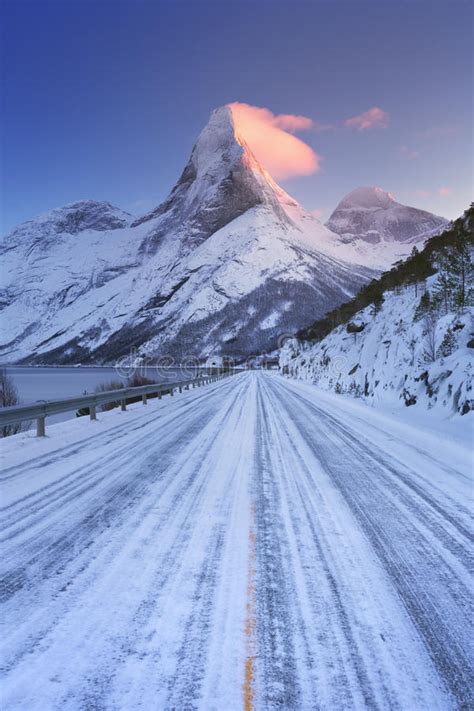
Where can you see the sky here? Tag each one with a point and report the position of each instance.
(103, 99)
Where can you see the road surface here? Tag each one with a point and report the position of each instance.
(249, 545)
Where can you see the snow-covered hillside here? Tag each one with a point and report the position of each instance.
(379, 229)
(226, 264)
(392, 356)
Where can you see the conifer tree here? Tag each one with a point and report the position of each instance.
(424, 307)
(448, 344)
(462, 269)
(445, 284)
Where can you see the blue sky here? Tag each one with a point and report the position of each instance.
(104, 99)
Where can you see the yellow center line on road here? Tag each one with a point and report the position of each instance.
(250, 619)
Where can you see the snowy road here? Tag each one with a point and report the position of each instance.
(255, 544)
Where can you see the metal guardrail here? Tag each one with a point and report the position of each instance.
(40, 410)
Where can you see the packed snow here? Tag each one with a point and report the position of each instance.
(257, 543)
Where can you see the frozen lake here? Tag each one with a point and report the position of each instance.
(45, 383)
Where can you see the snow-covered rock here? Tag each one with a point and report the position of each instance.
(379, 228)
(386, 357)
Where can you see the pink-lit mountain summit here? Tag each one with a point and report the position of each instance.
(228, 263)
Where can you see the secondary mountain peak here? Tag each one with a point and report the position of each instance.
(372, 215)
(71, 219)
(370, 197)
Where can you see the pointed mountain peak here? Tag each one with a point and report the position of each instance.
(221, 181)
(222, 145)
(216, 142)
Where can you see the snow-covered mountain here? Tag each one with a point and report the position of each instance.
(227, 263)
(380, 229)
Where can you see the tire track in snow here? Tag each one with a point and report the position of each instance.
(243, 549)
(276, 679)
(286, 467)
(185, 492)
(437, 601)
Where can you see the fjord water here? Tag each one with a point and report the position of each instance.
(53, 383)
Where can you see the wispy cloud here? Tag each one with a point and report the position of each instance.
(320, 127)
(292, 123)
(271, 140)
(436, 132)
(445, 190)
(373, 118)
(409, 153)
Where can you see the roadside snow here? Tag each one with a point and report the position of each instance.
(388, 362)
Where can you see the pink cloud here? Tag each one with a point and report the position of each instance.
(373, 118)
(271, 140)
(292, 123)
(317, 213)
(445, 191)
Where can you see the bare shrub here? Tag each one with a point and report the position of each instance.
(135, 381)
(9, 398)
(105, 387)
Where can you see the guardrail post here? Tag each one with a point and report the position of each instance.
(171, 391)
(123, 404)
(41, 427)
(180, 389)
(159, 394)
(92, 412)
(144, 399)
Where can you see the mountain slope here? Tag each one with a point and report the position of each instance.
(378, 228)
